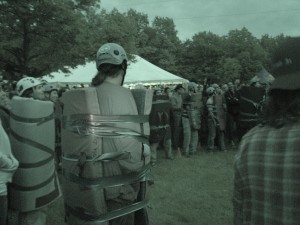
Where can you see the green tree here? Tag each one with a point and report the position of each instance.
(229, 69)
(118, 28)
(243, 46)
(201, 55)
(161, 44)
(38, 37)
(269, 44)
(141, 23)
(286, 57)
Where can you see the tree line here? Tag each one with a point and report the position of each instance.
(43, 36)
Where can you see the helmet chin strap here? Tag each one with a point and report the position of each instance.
(124, 68)
(123, 78)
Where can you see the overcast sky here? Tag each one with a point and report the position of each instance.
(260, 17)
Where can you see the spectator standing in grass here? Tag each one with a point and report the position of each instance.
(221, 108)
(160, 130)
(266, 170)
(176, 104)
(211, 119)
(215, 120)
(225, 88)
(111, 64)
(190, 121)
(233, 111)
(30, 87)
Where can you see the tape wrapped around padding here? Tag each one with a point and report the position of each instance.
(35, 183)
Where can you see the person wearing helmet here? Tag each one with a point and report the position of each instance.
(30, 87)
(224, 88)
(192, 87)
(115, 100)
(237, 84)
(200, 88)
(211, 119)
(215, 120)
(51, 92)
(191, 120)
(159, 121)
(233, 111)
(221, 110)
(111, 63)
(266, 167)
(210, 91)
(176, 110)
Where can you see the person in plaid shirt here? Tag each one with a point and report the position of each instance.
(267, 165)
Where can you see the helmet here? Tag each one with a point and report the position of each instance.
(192, 86)
(50, 87)
(111, 53)
(210, 90)
(224, 86)
(215, 86)
(200, 87)
(26, 83)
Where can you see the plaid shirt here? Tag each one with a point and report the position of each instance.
(267, 177)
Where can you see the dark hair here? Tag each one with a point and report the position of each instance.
(27, 93)
(106, 70)
(282, 107)
(166, 89)
(179, 86)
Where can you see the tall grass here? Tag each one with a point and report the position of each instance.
(186, 191)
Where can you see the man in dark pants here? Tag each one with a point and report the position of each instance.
(176, 103)
(233, 111)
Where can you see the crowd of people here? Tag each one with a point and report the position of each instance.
(202, 117)
(32, 115)
(184, 120)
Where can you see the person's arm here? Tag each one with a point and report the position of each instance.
(210, 106)
(8, 163)
(173, 102)
(224, 103)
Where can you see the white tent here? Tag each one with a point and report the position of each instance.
(263, 76)
(139, 72)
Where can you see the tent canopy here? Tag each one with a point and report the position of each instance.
(139, 72)
(263, 77)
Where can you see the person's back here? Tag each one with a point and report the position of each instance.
(269, 159)
(117, 100)
(114, 151)
(267, 171)
(251, 100)
(31, 120)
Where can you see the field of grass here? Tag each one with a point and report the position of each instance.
(186, 191)
(193, 191)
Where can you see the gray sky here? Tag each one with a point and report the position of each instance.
(260, 17)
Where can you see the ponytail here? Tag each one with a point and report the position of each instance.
(107, 70)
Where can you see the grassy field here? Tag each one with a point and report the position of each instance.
(186, 191)
(193, 191)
